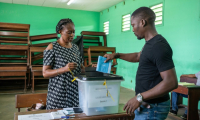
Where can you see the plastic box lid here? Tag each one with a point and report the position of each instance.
(82, 77)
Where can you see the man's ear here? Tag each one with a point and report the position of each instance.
(60, 31)
(144, 22)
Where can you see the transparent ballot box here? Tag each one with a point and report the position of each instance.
(99, 95)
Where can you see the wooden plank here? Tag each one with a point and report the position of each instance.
(13, 68)
(43, 37)
(181, 89)
(14, 26)
(13, 47)
(26, 100)
(10, 52)
(14, 29)
(41, 78)
(102, 49)
(5, 41)
(13, 73)
(93, 33)
(36, 68)
(94, 54)
(37, 49)
(40, 45)
(15, 78)
(90, 38)
(99, 43)
(14, 34)
(36, 58)
(38, 55)
(12, 58)
(38, 73)
(13, 39)
(13, 63)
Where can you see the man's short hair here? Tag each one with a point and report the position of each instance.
(145, 13)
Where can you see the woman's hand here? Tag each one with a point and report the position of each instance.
(94, 65)
(71, 66)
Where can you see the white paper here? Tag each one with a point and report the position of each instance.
(98, 98)
(41, 116)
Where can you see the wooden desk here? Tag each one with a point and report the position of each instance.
(119, 116)
(193, 93)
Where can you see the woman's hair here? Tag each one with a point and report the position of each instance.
(61, 24)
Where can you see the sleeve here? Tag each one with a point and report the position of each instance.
(197, 75)
(163, 56)
(48, 58)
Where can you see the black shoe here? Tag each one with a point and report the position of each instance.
(184, 117)
(173, 112)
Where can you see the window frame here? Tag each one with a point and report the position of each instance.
(108, 26)
(163, 9)
(122, 23)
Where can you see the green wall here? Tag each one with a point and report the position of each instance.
(181, 28)
(43, 20)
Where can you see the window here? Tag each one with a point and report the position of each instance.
(158, 9)
(106, 27)
(126, 22)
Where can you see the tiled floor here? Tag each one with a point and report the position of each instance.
(7, 103)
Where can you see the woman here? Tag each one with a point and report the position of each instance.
(60, 57)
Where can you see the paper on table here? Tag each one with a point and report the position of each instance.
(41, 116)
(186, 84)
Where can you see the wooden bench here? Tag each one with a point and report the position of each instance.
(91, 41)
(36, 70)
(91, 33)
(14, 50)
(27, 100)
(101, 51)
(38, 44)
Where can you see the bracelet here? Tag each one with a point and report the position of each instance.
(117, 55)
(57, 71)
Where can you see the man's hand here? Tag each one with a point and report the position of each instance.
(131, 105)
(109, 56)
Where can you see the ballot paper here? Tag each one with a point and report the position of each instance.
(103, 67)
(41, 116)
(57, 114)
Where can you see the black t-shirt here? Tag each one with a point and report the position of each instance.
(155, 57)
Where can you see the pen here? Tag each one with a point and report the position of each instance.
(65, 117)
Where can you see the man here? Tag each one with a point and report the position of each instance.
(175, 96)
(156, 75)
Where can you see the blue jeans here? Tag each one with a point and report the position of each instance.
(175, 101)
(158, 111)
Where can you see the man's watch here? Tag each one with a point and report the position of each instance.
(139, 98)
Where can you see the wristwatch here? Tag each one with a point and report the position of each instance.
(139, 98)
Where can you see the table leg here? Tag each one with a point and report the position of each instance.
(193, 98)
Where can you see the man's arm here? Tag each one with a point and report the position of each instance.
(168, 83)
(130, 57)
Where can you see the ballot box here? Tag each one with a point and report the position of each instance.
(99, 95)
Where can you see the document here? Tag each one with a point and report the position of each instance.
(186, 84)
(41, 116)
(103, 67)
